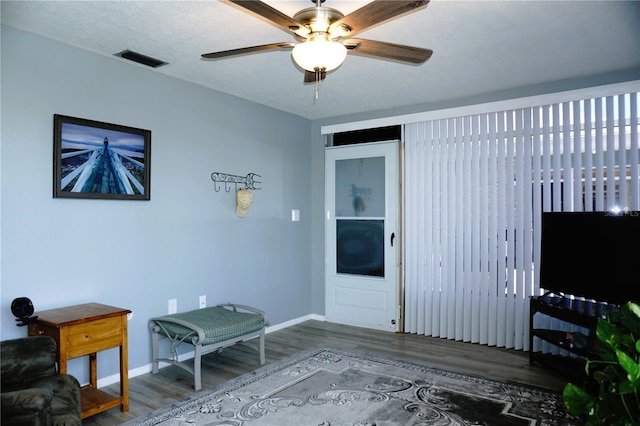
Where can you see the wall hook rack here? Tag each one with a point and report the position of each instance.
(248, 181)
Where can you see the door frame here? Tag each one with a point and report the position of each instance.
(394, 207)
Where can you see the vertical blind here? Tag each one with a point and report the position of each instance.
(474, 191)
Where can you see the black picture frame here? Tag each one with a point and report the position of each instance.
(97, 160)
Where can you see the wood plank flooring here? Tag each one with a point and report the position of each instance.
(148, 392)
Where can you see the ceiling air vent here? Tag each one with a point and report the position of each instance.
(141, 59)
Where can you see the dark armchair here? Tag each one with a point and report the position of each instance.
(32, 390)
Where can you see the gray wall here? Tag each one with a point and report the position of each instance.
(187, 240)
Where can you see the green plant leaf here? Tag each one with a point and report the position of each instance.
(630, 318)
(627, 341)
(626, 387)
(608, 334)
(577, 400)
(610, 374)
(630, 366)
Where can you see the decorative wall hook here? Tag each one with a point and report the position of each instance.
(248, 181)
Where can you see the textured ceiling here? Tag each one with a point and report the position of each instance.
(479, 47)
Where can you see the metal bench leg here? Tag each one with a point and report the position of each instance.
(262, 347)
(154, 346)
(197, 364)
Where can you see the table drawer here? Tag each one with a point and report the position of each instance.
(43, 330)
(94, 336)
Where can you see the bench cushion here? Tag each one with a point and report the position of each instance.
(219, 324)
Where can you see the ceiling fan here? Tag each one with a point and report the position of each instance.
(324, 35)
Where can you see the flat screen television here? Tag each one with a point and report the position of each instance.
(595, 255)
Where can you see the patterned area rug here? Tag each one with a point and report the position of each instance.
(331, 387)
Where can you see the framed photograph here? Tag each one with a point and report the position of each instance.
(92, 159)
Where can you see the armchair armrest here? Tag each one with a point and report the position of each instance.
(26, 359)
(26, 401)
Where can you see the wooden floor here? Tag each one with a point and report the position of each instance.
(148, 392)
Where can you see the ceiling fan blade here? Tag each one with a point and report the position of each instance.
(384, 50)
(273, 15)
(310, 76)
(374, 13)
(248, 50)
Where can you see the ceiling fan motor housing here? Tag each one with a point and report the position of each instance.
(319, 19)
(321, 51)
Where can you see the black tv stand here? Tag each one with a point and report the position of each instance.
(579, 312)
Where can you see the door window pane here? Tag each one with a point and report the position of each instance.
(360, 187)
(360, 247)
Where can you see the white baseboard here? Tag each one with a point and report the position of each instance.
(115, 378)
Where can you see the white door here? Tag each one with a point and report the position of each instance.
(361, 235)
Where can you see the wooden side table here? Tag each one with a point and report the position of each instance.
(85, 330)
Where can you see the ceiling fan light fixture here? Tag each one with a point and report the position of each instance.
(319, 53)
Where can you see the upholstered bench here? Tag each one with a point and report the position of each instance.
(207, 329)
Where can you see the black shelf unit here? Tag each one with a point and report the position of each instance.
(579, 312)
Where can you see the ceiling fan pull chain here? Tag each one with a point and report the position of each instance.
(319, 74)
(316, 85)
